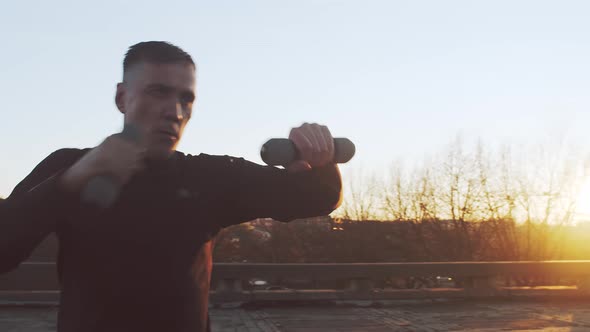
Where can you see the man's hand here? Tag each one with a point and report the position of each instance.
(315, 145)
(115, 156)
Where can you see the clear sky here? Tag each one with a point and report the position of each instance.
(400, 78)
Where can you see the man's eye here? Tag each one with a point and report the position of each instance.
(187, 98)
(158, 92)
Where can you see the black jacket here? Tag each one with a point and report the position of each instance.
(145, 263)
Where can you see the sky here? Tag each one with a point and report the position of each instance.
(401, 79)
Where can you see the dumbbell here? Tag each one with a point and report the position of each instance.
(282, 151)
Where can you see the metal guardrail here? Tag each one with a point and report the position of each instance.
(36, 282)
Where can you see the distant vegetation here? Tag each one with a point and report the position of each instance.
(483, 204)
(347, 241)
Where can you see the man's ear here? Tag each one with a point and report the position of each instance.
(119, 97)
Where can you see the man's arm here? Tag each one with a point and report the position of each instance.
(310, 186)
(33, 209)
(269, 192)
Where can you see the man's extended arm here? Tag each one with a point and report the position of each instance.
(309, 186)
(33, 210)
(264, 191)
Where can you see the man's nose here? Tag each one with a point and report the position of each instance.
(174, 112)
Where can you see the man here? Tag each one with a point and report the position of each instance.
(144, 263)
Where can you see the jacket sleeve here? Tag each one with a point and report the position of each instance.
(268, 192)
(33, 209)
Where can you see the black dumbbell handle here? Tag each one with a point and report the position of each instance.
(282, 151)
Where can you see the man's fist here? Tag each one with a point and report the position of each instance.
(115, 156)
(315, 145)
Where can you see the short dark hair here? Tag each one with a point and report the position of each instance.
(155, 52)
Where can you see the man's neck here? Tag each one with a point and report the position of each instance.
(162, 163)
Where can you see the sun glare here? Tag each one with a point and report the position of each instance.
(583, 202)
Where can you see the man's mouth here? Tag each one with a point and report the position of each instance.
(170, 133)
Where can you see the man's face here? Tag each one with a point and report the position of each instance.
(158, 100)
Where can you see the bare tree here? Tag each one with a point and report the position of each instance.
(362, 198)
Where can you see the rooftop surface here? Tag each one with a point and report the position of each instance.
(497, 315)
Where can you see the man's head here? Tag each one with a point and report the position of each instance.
(157, 94)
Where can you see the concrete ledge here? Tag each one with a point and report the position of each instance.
(29, 298)
(51, 298)
(37, 281)
(402, 294)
